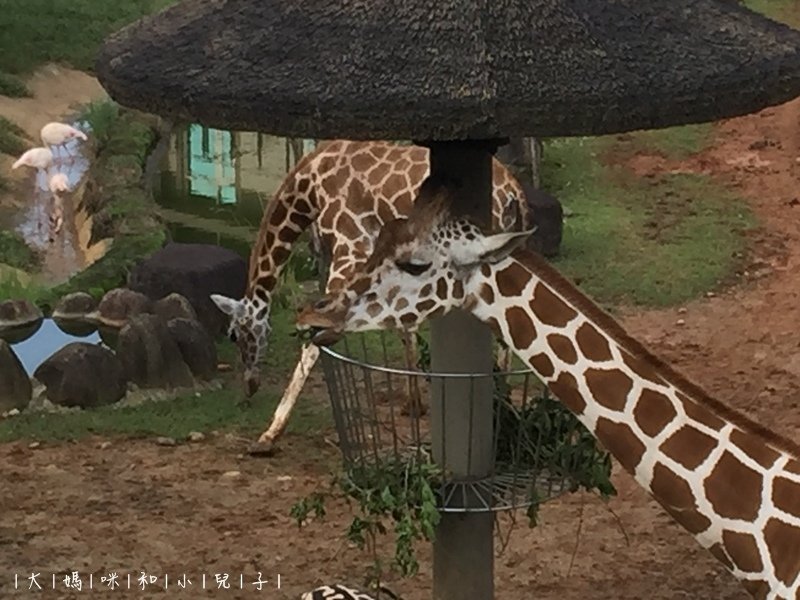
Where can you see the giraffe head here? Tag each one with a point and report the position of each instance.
(420, 267)
(249, 329)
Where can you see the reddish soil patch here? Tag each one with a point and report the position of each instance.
(138, 506)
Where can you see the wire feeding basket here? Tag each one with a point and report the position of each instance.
(539, 449)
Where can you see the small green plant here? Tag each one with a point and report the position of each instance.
(396, 491)
(11, 138)
(14, 252)
(13, 87)
(16, 284)
(101, 116)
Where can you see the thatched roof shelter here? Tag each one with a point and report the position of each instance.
(451, 69)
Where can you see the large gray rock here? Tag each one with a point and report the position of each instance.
(15, 385)
(119, 305)
(18, 313)
(548, 216)
(81, 374)
(150, 356)
(77, 305)
(174, 306)
(196, 345)
(194, 271)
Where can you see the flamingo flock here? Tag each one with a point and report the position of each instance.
(44, 160)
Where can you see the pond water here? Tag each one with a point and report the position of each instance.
(35, 343)
(30, 214)
(214, 184)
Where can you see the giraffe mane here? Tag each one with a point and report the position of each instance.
(583, 303)
(430, 209)
(269, 211)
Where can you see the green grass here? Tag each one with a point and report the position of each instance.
(636, 241)
(102, 116)
(780, 10)
(14, 252)
(13, 87)
(11, 138)
(674, 143)
(33, 32)
(17, 284)
(210, 411)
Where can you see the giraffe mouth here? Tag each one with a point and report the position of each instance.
(320, 329)
(320, 335)
(325, 336)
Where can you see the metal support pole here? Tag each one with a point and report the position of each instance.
(463, 552)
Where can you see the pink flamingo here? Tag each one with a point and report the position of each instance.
(59, 134)
(38, 158)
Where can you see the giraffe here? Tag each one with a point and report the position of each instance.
(731, 483)
(342, 592)
(345, 190)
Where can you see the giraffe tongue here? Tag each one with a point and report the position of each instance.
(325, 337)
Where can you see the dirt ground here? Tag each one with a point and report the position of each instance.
(98, 506)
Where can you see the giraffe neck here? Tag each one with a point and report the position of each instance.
(291, 211)
(732, 484)
(348, 189)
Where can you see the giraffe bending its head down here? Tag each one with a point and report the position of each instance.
(731, 483)
(348, 190)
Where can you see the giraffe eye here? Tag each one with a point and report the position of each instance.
(232, 335)
(413, 268)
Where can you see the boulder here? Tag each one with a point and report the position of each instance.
(15, 385)
(84, 375)
(119, 305)
(150, 356)
(548, 217)
(174, 306)
(196, 345)
(194, 271)
(78, 305)
(18, 313)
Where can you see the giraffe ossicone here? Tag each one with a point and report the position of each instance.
(731, 483)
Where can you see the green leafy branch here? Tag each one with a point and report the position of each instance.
(399, 491)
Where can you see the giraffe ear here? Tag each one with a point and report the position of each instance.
(496, 247)
(231, 307)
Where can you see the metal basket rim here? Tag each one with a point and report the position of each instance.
(406, 372)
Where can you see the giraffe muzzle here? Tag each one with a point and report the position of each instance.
(252, 381)
(325, 337)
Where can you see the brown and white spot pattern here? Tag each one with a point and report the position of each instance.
(731, 488)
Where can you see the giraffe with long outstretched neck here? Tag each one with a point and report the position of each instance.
(731, 483)
(346, 190)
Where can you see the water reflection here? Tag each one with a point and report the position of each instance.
(35, 344)
(64, 255)
(212, 177)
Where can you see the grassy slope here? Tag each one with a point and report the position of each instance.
(780, 10)
(33, 32)
(639, 241)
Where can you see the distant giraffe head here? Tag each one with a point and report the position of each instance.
(249, 329)
(418, 269)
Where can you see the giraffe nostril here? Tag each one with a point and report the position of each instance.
(321, 304)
